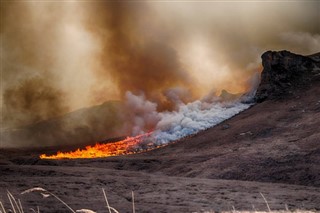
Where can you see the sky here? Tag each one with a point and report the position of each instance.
(61, 56)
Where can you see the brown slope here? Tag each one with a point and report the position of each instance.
(274, 141)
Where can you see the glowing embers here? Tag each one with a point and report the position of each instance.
(130, 145)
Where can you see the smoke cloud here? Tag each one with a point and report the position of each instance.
(141, 112)
(199, 47)
(186, 120)
(30, 96)
(194, 117)
(133, 57)
(310, 42)
(58, 57)
(44, 47)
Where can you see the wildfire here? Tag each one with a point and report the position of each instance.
(130, 145)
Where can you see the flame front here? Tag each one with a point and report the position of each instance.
(130, 145)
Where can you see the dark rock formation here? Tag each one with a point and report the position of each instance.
(284, 72)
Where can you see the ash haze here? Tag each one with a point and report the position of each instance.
(58, 57)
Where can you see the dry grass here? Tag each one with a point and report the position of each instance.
(16, 207)
(297, 211)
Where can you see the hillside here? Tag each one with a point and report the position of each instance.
(272, 148)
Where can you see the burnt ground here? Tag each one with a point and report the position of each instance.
(272, 148)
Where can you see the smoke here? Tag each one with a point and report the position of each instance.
(141, 112)
(178, 95)
(30, 96)
(58, 57)
(192, 118)
(45, 49)
(134, 58)
(310, 42)
(199, 47)
(188, 119)
(81, 127)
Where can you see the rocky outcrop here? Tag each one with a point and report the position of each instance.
(284, 72)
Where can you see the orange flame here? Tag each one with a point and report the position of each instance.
(130, 145)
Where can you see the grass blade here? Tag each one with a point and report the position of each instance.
(15, 202)
(286, 206)
(85, 211)
(20, 206)
(233, 209)
(13, 209)
(265, 200)
(62, 202)
(106, 199)
(4, 211)
(31, 209)
(35, 189)
(39, 189)
(113, 209)
(133, 208)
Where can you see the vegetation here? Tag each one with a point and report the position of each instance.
(16, 206)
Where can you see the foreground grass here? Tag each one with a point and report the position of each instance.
(16, 206)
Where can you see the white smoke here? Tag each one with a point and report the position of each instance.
(143, 112)
(192, 118)
(188, 119)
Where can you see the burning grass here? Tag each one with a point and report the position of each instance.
(188, 120)
(130, 145)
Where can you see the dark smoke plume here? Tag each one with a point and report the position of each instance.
(135, 60)
(31, 101)
(29, 90)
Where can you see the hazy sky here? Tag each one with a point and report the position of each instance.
(58, 56)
